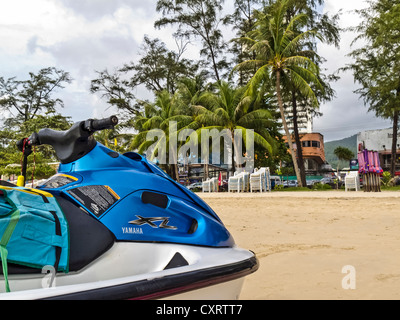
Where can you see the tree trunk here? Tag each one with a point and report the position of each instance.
(214, 62)
(233, 153)
(298, 142)
(174, 167)
(394, 143)
(176, 172)
(285, 127)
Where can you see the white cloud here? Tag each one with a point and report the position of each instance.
(76, 36)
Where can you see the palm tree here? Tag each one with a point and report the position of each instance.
(160, 115)
(278, 60)
(114, 139)
(342, 153)
(231, 109)
(193, 92)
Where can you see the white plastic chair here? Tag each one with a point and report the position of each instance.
(215, 184)
(210, 185)
(260, 180)
(268, 185)
(256, 181)
(246, 181)
(352, 181)
(236, 182)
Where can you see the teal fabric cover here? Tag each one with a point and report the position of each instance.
(40, 229)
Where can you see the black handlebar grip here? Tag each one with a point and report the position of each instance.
(106, 123)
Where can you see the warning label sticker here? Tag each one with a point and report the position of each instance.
(59, 181)
(97, 199)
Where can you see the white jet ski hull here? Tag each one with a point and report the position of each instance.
(145, 271)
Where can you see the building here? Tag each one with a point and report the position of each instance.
(313, 152)
(304, 120)
(313, 149)
(194, 172)
(380, 140)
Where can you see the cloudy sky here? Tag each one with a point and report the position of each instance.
(84, 36)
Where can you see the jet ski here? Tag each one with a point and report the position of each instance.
(112, 226)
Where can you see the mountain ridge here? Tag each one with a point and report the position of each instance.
(349, 142)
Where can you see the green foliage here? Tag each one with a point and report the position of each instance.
(321, 186)
(117, 91)
(29, 98)
(231, 109)
(40, 166)
(376, 65)
(386, 178)
(272, 161)
(114, 139)
(343, 153)
(243, 21)
(279, 187)
(291, 189)
(280, 60)
(197, 20)
(349, 143)
(43, 161)
(34, 105)
(390, 188)
(159, 68)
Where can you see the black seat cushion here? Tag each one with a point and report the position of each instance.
(89, 238)
(7, 184)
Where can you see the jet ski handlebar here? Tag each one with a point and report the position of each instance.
(72, 144)
(102, 124)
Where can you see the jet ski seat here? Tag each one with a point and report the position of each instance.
(89, 239)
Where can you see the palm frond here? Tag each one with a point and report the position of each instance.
(290, 46)
(152, 123)
(209, 118)
(243, 105)
(199, 130)
(258, 139)
(304, 87)
(263, 142)
(262, 74)
(256, 119)
(138, 140)
(223, 114)
(250, 64)
(309, 76)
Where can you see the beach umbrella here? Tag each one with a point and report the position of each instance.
(371, 162)
(377, 163)
(365, 153)
(366, 175)
(361, 163)
(379, 171)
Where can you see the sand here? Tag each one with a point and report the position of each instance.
(316, 245)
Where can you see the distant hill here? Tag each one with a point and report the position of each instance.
(350, 143)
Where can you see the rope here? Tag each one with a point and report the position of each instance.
(34, 164)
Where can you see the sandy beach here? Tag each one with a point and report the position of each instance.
(316, 245)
